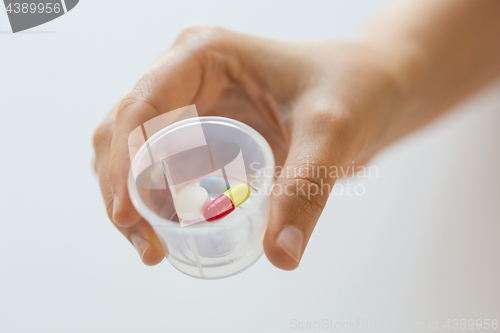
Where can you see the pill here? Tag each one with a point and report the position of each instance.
(226, 202)
(190, 202)
(215, 186)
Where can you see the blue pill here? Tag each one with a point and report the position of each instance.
(215, 186)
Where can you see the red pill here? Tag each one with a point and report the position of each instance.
(226, 202)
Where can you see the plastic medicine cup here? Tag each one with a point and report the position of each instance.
(207, 250)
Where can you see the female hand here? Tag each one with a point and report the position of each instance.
(317, 104)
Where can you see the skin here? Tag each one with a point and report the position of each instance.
(323, 104)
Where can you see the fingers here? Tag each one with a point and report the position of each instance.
(170, 85)
(143, 238)
(129, 114)
(102, 142)
(141, 234)
(193, 71)
(203, 61)
(302, 189)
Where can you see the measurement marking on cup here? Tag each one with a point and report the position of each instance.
(194, 249)
(233, 260)
(147, 144)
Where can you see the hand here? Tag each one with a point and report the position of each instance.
(317, 104)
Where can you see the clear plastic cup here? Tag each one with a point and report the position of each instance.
(207, 250)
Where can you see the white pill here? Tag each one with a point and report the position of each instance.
(189, 203)
(214, 185)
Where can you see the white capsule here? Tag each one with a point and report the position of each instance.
(190, 202)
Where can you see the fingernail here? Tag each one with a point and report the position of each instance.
(116, 202)
(290, 239)
(140, 244)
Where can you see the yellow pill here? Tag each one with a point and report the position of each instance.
(227, 202)
(238, 194)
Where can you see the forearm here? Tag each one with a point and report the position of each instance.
(439, 51)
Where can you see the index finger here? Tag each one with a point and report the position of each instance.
(174, 82)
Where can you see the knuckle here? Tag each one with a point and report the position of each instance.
(109, 209)
(213, 47)
(337, 130)
(310, 194)
(307, 169)
(134, 99)
(201, 36)
(102, 133)
(196, 28)
(136, 95)
(328, 118)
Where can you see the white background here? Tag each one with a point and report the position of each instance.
(422, 243)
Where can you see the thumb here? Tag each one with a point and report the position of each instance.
(301, 191)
